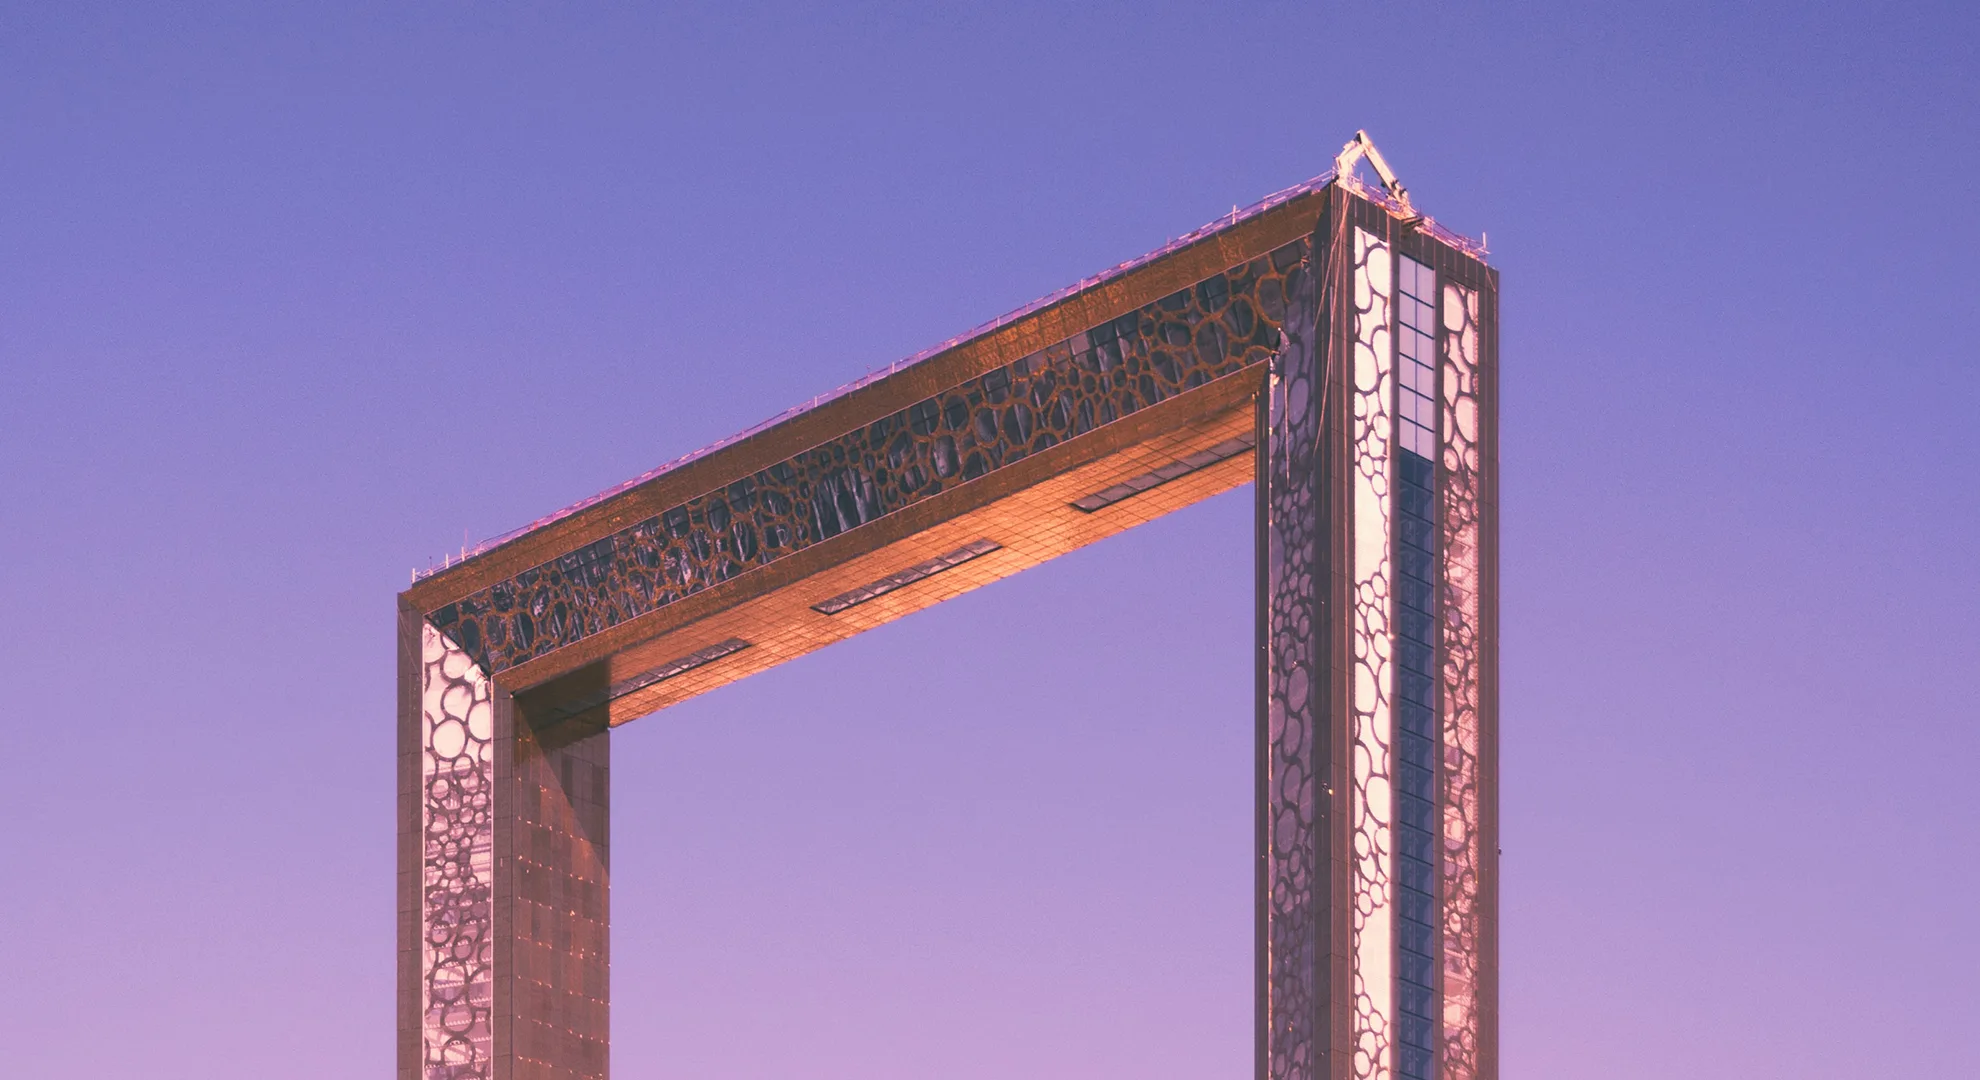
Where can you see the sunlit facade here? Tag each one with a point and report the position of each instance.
(1329, 344)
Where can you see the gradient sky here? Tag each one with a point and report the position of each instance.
(292, 301)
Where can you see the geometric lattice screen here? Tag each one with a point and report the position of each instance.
(1328, 344)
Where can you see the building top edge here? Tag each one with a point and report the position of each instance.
(1214, 228)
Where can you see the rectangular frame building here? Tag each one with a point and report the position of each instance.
(1329, 343)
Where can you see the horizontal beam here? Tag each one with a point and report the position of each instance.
(585, 610)
(1029, 515)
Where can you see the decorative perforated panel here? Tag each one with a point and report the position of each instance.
(1462, 846)
(457, 909)
(1374, 445)
(1370, 810)
(1296, 902)
(1187, 339)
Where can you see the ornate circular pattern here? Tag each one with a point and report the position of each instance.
(457, 909)
(1223, 323)
(1369, 807)
(1294, 806)
(1463, 848)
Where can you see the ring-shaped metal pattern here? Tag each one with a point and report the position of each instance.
(1460, 725)
(1370, 811)
(1296, 894)
(1221, 324)
(457, 865)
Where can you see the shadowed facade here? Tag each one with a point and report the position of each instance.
(1328, 343)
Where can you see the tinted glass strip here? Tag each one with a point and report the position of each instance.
(1133, 486)
(874, 590)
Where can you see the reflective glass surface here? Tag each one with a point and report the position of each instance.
(1416, 758)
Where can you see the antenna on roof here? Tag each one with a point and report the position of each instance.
(1362, 146)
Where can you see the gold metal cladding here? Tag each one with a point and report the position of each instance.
(1025, 509)
(1109, 299)
(504, 764)
(677, 666)
(1155, 478)
(874, 590)
(1066, 392)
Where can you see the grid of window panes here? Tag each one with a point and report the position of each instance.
(1416, 732)
(1416, 364)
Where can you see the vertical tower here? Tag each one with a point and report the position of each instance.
(504, 863)
(1377, 554)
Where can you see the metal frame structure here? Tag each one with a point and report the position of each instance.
(1329, 343)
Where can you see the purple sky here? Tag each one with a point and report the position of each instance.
(290, 303)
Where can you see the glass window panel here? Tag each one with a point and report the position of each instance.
(1417, 279)
(1417, 969)
(1415, 935)
(1416, 907)
(1418, 781)
(1418, 314)
(1417, 473)
(1415, 500)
